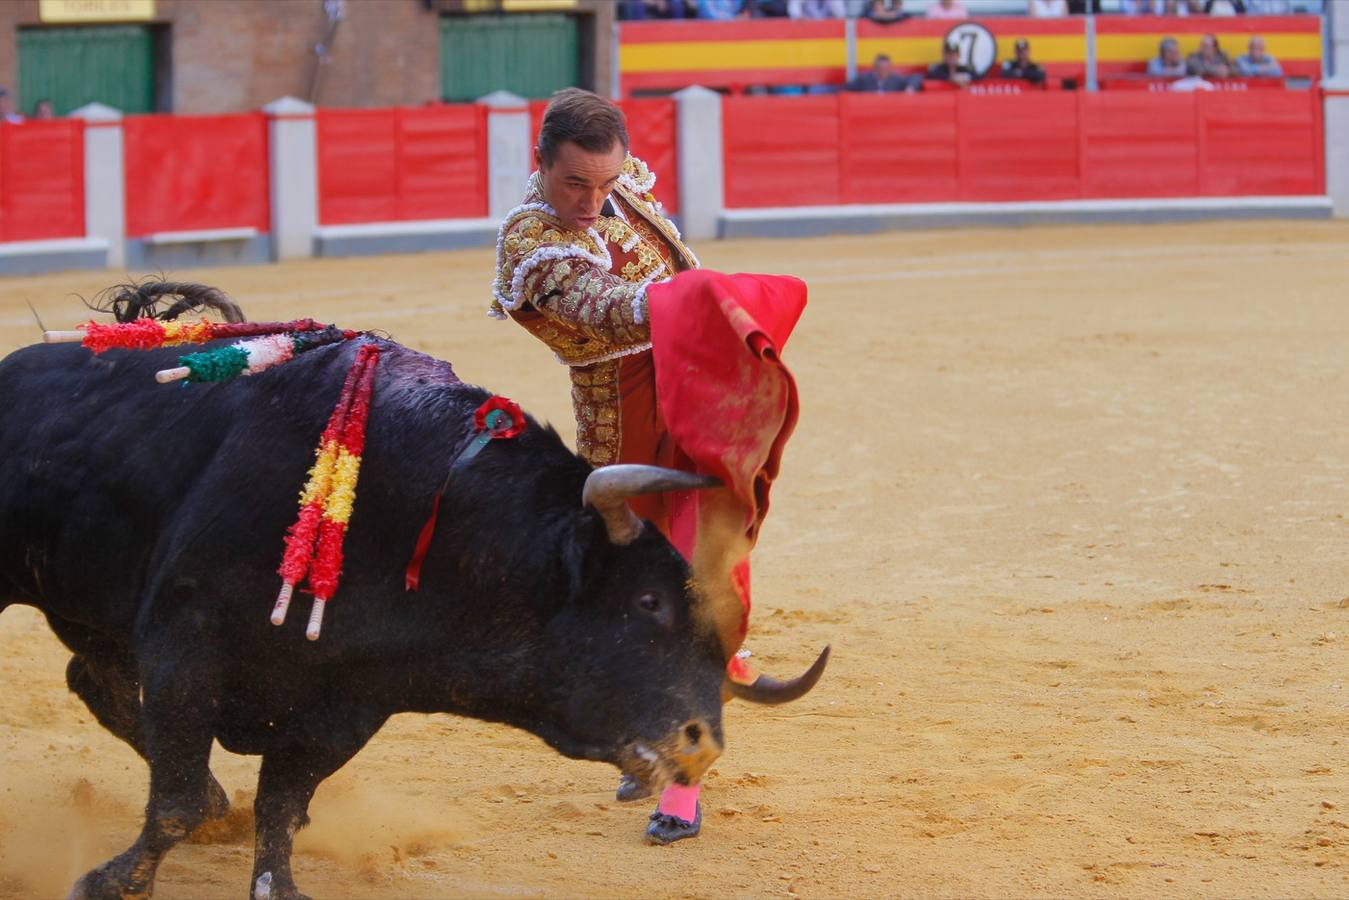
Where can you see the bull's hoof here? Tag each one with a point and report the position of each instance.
(666, 829)
(100, 884)
(630, 789)
(266, 888)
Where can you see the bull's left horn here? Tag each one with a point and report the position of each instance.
(609, 487)
(770, 690)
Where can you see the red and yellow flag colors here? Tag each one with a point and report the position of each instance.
(314, 542)
(148, 334)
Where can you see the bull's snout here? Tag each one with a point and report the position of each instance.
(696, 748)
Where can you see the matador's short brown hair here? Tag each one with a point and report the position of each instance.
(585, 119)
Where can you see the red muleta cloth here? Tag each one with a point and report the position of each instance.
(727, 399)
(729, 405)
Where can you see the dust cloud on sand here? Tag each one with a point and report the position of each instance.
(1069, 504)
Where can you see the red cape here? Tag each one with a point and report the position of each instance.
(728, 401)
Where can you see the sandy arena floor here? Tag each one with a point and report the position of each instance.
(1069, 503)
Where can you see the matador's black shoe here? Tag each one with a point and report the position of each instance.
(666, 829)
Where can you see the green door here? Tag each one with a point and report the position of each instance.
(112, 64)
(529, 55)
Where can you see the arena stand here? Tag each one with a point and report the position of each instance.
(290, 181)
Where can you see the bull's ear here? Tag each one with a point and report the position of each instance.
(585, 539)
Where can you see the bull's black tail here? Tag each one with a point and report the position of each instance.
(128, 302)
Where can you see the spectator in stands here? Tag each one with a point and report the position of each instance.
(1209, 61)
(817, 9)
(1167, 63)
(1047, 9)
(43, 109)
(722, 10)
(887, 12)
(768, 9)
(1256, 63)
(883, 79)
(951, 68)
(1020, 67)
(1269, 7)
(652, 9)
(7, 113)
(947, 9)
(1160, 7)
(1225, 8)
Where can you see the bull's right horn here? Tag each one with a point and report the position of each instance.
(608, 488)
(769, 690)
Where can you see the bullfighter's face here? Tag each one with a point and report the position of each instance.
(577, 181)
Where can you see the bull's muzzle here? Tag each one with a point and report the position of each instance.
(696, 748)
(682, 757)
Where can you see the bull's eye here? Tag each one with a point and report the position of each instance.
(654, 605)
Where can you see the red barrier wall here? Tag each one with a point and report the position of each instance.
(42, 180)
(1139, 145)
(1018, 148)
(185, 173)
(389, 165)
(651, 133)
(812, 151)
(901, 152)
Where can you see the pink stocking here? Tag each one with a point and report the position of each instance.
(680, 802)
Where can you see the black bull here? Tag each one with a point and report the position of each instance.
(146, 522)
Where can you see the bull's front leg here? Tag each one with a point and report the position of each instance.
(286, 784)
(179, 729)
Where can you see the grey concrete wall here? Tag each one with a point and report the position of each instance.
(807, 222)
(104, 179)
(701, 176)
(143, 256)
(510, 156)
(1337, 143)
(292, 148)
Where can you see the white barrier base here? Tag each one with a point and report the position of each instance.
(866, 217)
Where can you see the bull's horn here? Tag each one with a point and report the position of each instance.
(769, 690)
(609, 487)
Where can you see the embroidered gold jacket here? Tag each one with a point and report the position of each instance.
(583, 293)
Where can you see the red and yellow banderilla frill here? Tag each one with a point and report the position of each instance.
(149, 334)
(314, 542)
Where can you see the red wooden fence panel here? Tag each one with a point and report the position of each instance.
(42, 180)
(1021, 147)
(443, 162)
(812, 151)
(651, 131)
(389, 165)
(1262, 142)
(185, 173)
(897, 149)
(1139, 145)
(780, 151)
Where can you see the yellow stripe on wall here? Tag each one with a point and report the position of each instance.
(1129, 47)
(689, 56)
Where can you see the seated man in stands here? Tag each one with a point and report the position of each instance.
(951, 68)
(883, 79)
(1209, 61)
(1020, 67)
(1167, 63)
(1256, 63)
(887, 12)
(7, 113)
